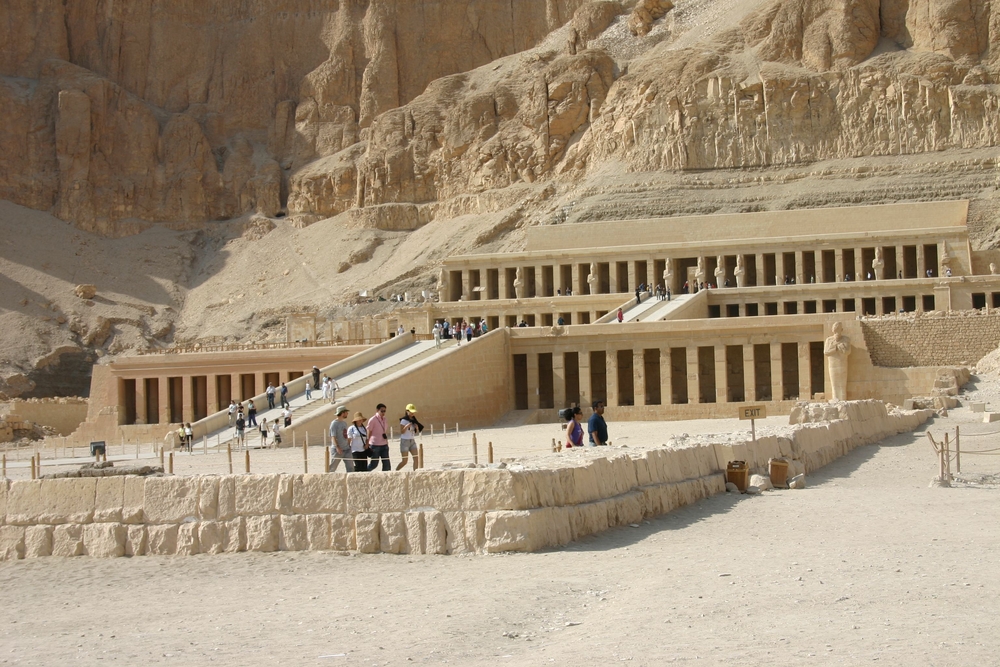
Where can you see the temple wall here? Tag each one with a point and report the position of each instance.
(481, 510)
(956, 339)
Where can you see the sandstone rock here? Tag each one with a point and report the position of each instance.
(342, 534)
(732, 488)
(262, 533)
(797, 482)
(436, 533)
(319, 494)
(11, 542)
(753, 491)
(85, 291)
(392, 533)
(318, 532)
(161, 540)
(170, 499)
(646, 11)
(210, 537)
(37, 541)
(135, 541)
(294, 535)
(440, 489)
(67, 540)
(367, 530)
(109, 499)
(187, 539)
(385, 492)
(104, 540)
(762, 482)
(255, 494)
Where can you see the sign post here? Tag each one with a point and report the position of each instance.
(753, 412)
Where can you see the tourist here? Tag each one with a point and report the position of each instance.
(263, 432)
(315, 374)
(340, 445)
(560, 321)
(358, 435)
(468, 333)
(286, 416)
(597, 427)
(574, 431)
(638, 296)
(686, 288)
(409, 428)
(437, 335)
(378, 439)
(459, 331)
(188, 436)
(446, 330)
(241, 438)
(180, 437)
(620, 316)
(284, 396)
(270, 396)
(232, 413)
(276, 430)
(668, 294)
(484, 328)
(333, 390)
(251, 413)
(947, 272)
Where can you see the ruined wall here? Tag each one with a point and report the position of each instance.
(960, 338)
(62, 414)
(427, 511)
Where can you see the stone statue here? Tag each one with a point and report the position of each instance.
(699, 272)
(945, 261)
(592, 278)
(668, 273)
(740, 271)
(720, 271)
(442, 286)
(878, 263)
(837, 348)
(993, 268)
(519, 283)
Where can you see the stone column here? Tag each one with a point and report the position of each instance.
(234, 389)
(586, 395)
(466, 285)
(187, 399)
(839, 270)
(578, 279)
(805, 373)
(532, 380)
(761, 279)
(639, 376)
(666, 378)
(558, 379)
(212, 395)
(140, 400)
(633, 281)
(721, 375)
(800, 269)
(860, 272)
(921, 269)
(900, 261)
(749, 378)
(259, 387)
(777, 393)
(611, 371)
(612, 277)
(941, 247)
(164, 388)
(694, 393)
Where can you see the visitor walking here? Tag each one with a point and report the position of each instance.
(188, 436)
(263, 433)
(286, 416)
(340, 444)
(378, 439)
(358, 435)
(276, 430)
(232, 413)
(574, 431)
(315, 374)
(409, 428)
(270, 396)
(309, 393)
(597, 427)
(620, 316)
(284, 396)
(334, 387)
(241, 437)
(437, 336)
(251, 413)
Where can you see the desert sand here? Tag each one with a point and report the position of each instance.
(868, 563)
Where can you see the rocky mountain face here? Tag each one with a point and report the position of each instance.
(418, 128)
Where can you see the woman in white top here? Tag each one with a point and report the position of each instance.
(409, 427)
(358, 436)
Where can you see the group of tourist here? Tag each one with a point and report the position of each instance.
(597, 428)
(444, 330)
(363, 445)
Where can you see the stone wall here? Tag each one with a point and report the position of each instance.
(62, 414)
(956, 339)
(426, 511)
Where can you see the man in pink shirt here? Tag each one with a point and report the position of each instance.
(378, 439)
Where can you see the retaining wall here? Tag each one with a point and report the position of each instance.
(479, 510)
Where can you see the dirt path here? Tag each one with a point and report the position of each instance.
(866, 564)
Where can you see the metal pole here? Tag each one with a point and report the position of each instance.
(491, 452)
(475, 449)
(958, 453)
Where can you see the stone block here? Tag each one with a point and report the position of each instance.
(132, 499)
(51, 501)
(625, 509)
(187, 539)
(161, 540)
(256, 495)
(135, 541)
(641, 464)
(585, 484)
(976, 407)
(414, 532)
(110, 497)
(104, 540)
(549, 527)
(294, 533)
(234, 535)
(283, 500)
(262, 531)
(11, 542)
(491, 489)
(208, 497)
(342, 527)
(37, 541)
(67, 540)
(438, 489)
(392, 533)
(210, 537)
(170, 499)
(455, 533)
(227, 498)
(4, 486)
(435, 533)
(377, 492)
(318, 532)
(988, 418)
(588, 519)
(319, 494)
(366, 529)
(508, 531)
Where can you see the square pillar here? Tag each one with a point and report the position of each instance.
(140, 401)
(900, 260)
(260, 386)
(800, 272)
(921, 269)
(639, 376)
(749, 377)
(466, 285)
(721, 375)
(611, 369)
(633, 281)
(839, 269)
(577, 279)
(761, 279)
(212, 395)
(777, 391)
(805, 373)
(586, 395)
(532, 380)
(612, 277)
(187, 399)
(558, 379)
(666, 377)
(694, 391)
(859, 265)
(164, 400)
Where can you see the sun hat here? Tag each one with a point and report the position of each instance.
(358, 415)
(341, 410)
(411, 408)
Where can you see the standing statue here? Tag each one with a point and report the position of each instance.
(878, 263)
(740, 272)
(993, 268)
(519, 283)
(945, 261)
(442, 286)
(699, 273)
(592, 278)
(837, 348)
(720, 271)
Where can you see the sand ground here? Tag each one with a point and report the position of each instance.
(867, 564)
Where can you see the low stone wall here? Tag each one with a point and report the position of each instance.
(427, 511)
(62, 414)
(955, 339)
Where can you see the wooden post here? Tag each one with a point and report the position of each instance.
(326, 459)
(305, 454)
(162, 466)
(137, 449)
(947, 456)
(456, 428)
(420, 456)
(229, 453)
(958, 453)
(293, 439)
(247, 460)
(475, 449)
(204, 444)
(490, 450)
(32, 466)
(432, 430)
(171, 463)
